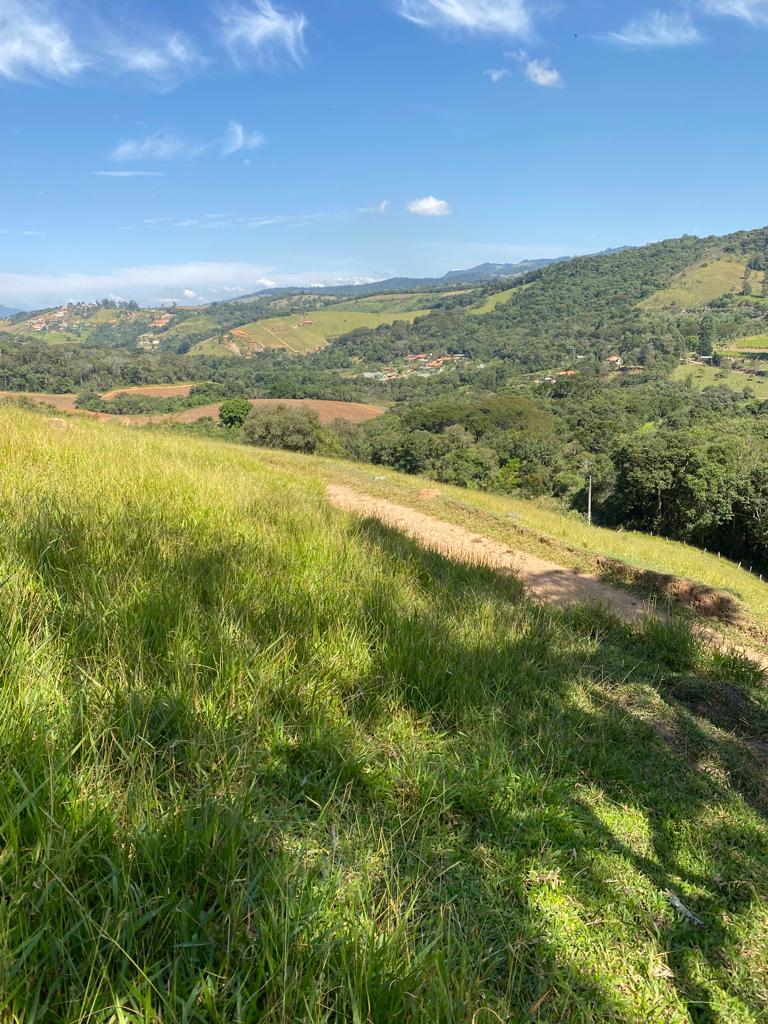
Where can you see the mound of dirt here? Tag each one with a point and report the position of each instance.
(698, 597)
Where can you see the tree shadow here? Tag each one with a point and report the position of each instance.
(400, 841)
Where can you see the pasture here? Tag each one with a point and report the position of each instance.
(702, 284)
(266, 761)
(306, 332)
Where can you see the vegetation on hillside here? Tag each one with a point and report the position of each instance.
(265, 762)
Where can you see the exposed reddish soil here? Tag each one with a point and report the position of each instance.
(152, 391)
(64, 403)
(352, 412)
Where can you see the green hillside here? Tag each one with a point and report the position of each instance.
(495, 299)
(307, 332)
(702, 376)
(264, 761)
(700, 285)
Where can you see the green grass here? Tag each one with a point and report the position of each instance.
(545, 531)
(703, 376)
(700, 285)
(407, 302)
(181, 328)
(755, 341)
(213, 347)
(496, 299)
(308, 331)
(262, 761)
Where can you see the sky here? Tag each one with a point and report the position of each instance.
(175, 151)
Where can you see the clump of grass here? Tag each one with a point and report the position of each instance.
(264, 762)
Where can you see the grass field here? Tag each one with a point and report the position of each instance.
(547, 532)
(754, 343)
(703, 376)
(306, 332)
(492, 301)
(407, 302)
(266, 762)
(700, 285)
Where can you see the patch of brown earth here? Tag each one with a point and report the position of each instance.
(64, 403)
(152, 391)
(352, 412)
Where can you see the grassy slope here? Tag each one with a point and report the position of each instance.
(262, 761)
(702, 376)
(701, 284)
(393, 302)
(290, 331)
(754, 341)
(492, 301)
(532, 526)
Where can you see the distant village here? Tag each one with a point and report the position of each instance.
(422, 364)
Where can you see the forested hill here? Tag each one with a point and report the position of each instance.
(641, 303)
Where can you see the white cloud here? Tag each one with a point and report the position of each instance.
(33, 44)
(381, 207)
(430, 207)
(496, 74)
(176, 56)
(33, 234)
(263, 32)
(154, 284)
(160, 146)
(238, 139)
(128, 174)
(541, 72)
(658, 29)
(505, 17)
(753, 11)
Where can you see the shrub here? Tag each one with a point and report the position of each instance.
(297, 430)
(234, 412)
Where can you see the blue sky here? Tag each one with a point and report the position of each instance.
(191, 151)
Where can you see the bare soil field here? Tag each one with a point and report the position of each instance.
(64, 403)
(153, 391)
(353, 412)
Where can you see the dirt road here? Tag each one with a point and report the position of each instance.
(546, 581)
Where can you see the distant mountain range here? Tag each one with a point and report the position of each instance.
(472, 275)
(7, 311)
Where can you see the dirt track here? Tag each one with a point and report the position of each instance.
(546, 581)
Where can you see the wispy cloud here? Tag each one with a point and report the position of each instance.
(238, 139)
(541, 72)
(157, 284)
(379, 208)
(658, 30)
(34, 44)
(160, 146)
(128, 174)
(171, 146)
(504, 17)
(216, 221)
(174, 58)
(429, 206)
(496, 74)
(753, 11)
(263, 33)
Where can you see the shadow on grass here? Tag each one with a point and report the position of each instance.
(475, 818)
